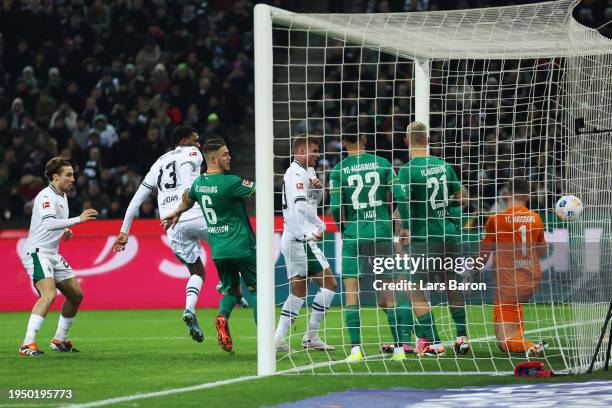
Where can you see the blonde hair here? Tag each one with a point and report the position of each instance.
(416, 133)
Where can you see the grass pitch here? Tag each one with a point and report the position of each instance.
(130, 352)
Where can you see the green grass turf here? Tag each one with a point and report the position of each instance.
(129, 352)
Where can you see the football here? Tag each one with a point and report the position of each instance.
(569, 208)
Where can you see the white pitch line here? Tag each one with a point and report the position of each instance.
(128, 398)
(203, 386)
(313, 366)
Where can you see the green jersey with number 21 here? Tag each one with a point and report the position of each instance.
(221, 197)
(359, 184)
(428, 183)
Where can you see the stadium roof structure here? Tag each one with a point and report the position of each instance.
(522, 31)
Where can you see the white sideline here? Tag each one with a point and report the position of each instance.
(203, 386)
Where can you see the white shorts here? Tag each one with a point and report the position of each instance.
(40, 265)
(185, 239)
(302, 258)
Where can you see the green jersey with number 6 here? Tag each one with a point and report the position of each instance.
(428, 183)
(359, 185)
(221, 197)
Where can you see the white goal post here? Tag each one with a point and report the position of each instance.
(558, 74)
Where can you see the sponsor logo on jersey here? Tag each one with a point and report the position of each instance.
(46, 204)
(299, 186)
(194, 153)
(247, 183)
(170, 199)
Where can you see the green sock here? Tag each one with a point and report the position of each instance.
(254, 304)
(392, 319)
(405, 321)
(351, 318)
(226, 305)
(458, 314)
(426, 327)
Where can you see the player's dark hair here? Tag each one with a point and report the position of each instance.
(350, 134)
(182, 132)
(301, 140)
(54, 166)
(518, 186)
(212, 145)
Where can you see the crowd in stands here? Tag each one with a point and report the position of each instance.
(105, 83)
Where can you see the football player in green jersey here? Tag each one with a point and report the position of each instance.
(222, 199)
(361, 190)
(435, 196)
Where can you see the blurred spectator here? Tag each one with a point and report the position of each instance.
(67, 115)
(148, 57)
(44, 108)
(16, 113)
(150, 149)
(81, 133)
(99, 199)
(108, 135)
(213, 128)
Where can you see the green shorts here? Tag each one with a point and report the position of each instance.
(356, 253)
(231, 270)
(435, 258)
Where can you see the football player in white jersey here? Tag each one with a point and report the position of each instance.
(172, 175)
(41, 258)
(302, 193)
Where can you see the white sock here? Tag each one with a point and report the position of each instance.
(34, 325)
(63, 325)
(194, 284)
(290, 312)
(355, 349)
(320, 304)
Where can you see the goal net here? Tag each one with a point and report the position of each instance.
(519, 92)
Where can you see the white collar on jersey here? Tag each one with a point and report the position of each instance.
(56, 192)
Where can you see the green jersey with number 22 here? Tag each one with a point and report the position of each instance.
(359, 184)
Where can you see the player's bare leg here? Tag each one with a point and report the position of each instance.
(327, 290)
(351, 317)
(194, 285)
(71, 289)
(46, 289)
